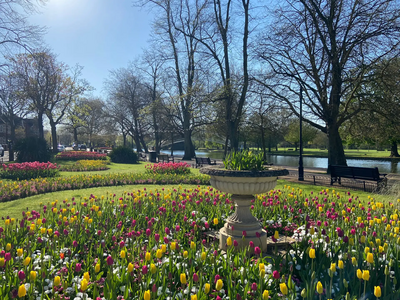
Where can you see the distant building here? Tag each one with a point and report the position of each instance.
(27, 126)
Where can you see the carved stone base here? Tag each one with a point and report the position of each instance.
(260, 242)
(243, 223)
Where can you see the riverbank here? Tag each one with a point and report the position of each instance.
(383, 155)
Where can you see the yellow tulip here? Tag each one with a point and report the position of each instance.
(159, 253)
(359, 274)
(265, 295)
(84, 284)
(193, 297)
(147, 295)
(312, 253)
(229, 241)
(192, 245)
(203, 256)
(320, 288)
(57, 281)
(183, 278)
(354, 261)
(8, 247)
(97, 268)
(164, 248)
(215, 221)
(333, 267)
(185, 254)
(130, 268)
(153, 268)
(370, 258)
(2, 261)
(86, 276)
(340, 264)
(377, 291)
(219, 284)
(33, 275)
(276, 234)
(283, 288)
(173, 246)
(20, 252)
(27, 261)
(123, 254)
(207, 288)
(21, 291)
(148, 256)
(365, 275)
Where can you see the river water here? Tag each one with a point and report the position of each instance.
(314, 162)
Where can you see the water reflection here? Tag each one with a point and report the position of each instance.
(311, 162)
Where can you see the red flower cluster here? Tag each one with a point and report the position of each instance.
(78, 155)
(168, 168)
(29, 170)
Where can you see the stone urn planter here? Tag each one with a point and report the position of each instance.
(243, 185)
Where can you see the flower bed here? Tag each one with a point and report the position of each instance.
(151, 244)
(86, 165)
(78, 155)
(28, 170)
(25, 188)
(168, 168)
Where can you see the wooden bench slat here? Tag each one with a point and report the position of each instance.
(204, 161)
(338, 172)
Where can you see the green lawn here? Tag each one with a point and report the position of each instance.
(324, 153)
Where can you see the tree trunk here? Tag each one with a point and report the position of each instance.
(393, 149)
(335, 147)
(75, 136)
(137, 142)
(53, 127)
(40, 125)
(188, 146)
(143, 143)
(263, 144)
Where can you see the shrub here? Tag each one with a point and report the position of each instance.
(28, 170)
(32, 149)
(123, 155)
(78, 155)
(86, 165)
(168, 168)
(244, 160)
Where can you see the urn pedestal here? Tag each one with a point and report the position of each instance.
(243, 185)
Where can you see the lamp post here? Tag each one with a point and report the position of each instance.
(301, 169)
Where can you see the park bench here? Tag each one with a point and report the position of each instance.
(165, 158)
(200, 161)
(372, 174)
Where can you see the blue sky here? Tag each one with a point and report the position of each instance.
(100, 35)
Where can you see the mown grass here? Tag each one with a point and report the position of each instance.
(350, 153)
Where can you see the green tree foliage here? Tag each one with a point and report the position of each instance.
(293, 133)
(123, 155)
(32, 149)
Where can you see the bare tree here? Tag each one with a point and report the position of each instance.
(15, 32)
(328, 47)
(176, 28)
(40, 76)
(68, 88)
(12, 105)
(127, 91)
